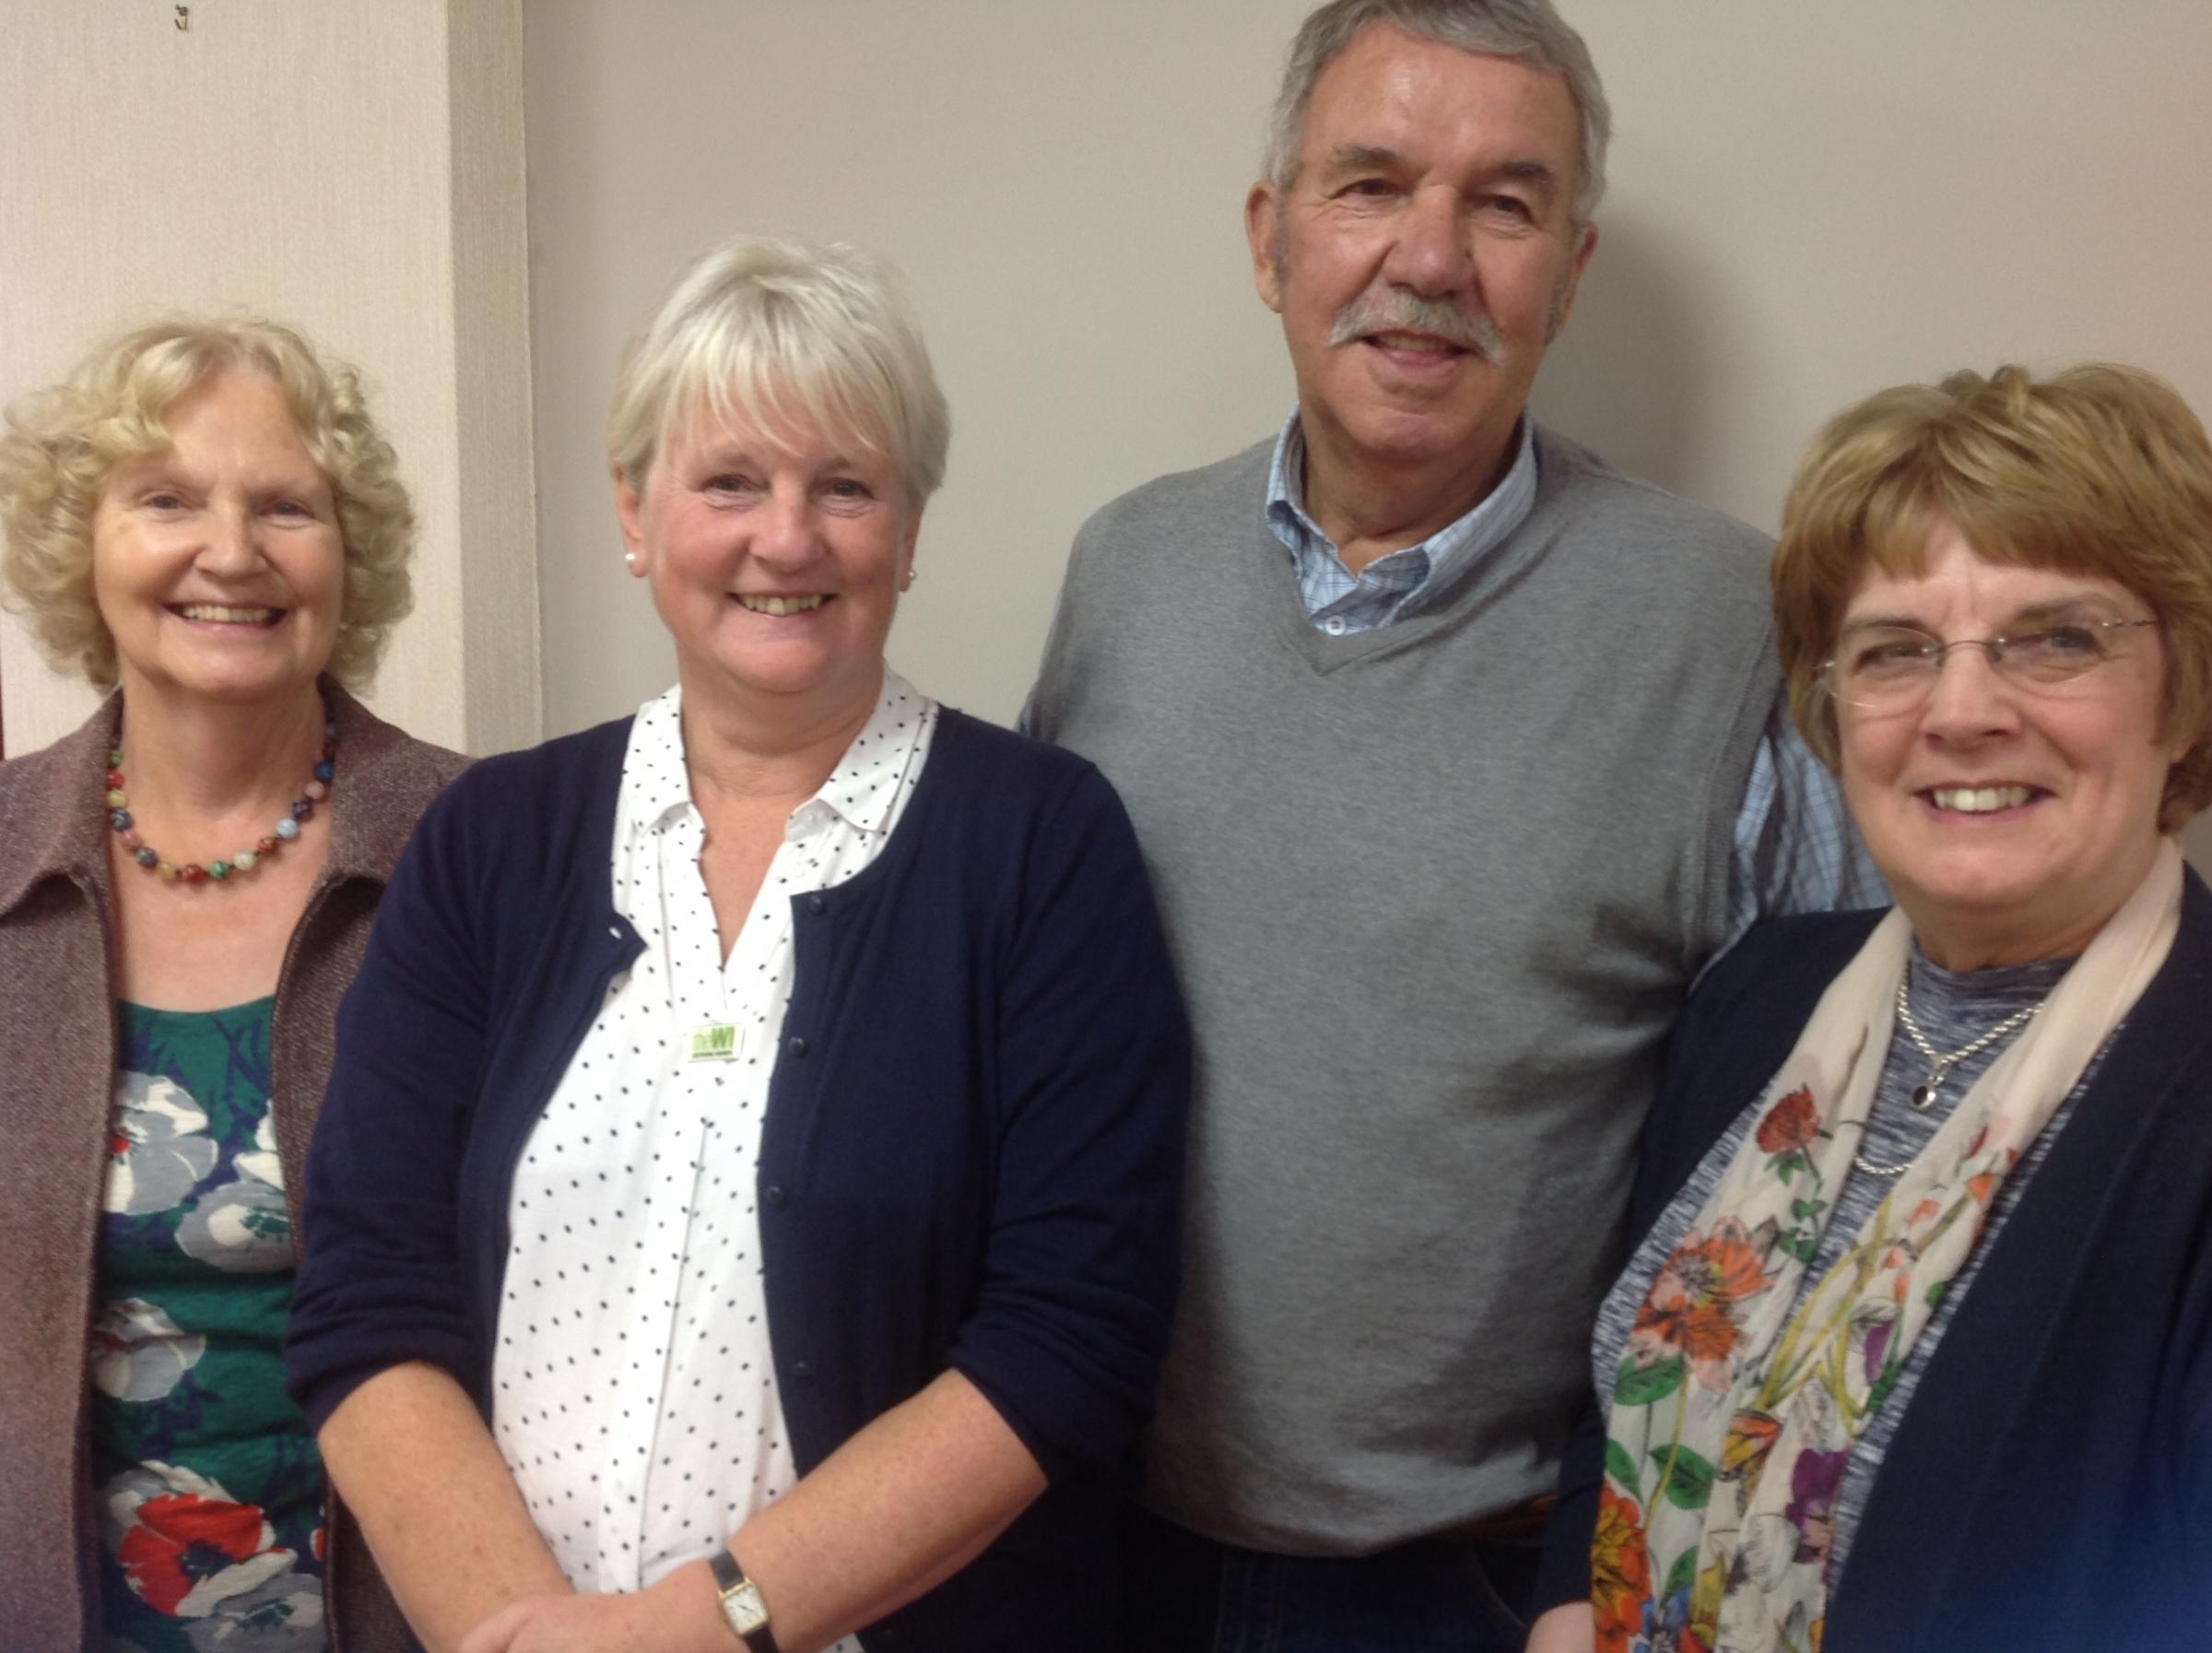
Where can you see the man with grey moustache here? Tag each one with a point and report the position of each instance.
(1455, 755)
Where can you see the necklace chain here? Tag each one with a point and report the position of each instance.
(1924, 1098)
(1939, 1064)
(116, 805)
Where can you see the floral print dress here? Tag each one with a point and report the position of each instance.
(208, 1483)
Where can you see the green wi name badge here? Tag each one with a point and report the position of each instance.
(714, 1042)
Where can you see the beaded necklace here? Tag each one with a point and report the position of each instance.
(246, 860)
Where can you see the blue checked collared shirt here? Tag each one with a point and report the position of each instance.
(1795, 851)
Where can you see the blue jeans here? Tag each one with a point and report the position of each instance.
(1187, 1594)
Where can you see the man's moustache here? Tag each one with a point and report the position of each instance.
(1395, 310)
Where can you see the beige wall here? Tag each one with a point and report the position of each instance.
(1808, 201)
(353, 166)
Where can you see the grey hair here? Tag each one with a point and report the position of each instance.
(776, 338)
(1529, 31)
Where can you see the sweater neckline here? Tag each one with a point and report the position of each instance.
(1473, 588)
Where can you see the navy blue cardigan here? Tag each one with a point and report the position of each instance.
(971, 1155)
(2050, 1485)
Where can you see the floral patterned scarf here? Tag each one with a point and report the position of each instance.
(1737, 1406)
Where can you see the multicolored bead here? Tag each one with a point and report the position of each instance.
(119, 818)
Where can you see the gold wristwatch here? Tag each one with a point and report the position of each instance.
(741, 1603)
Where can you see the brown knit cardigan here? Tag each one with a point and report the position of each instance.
(57, 1056)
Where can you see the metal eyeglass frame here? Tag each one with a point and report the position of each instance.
(1937, 652)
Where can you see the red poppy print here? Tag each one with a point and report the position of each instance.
(180, 1542)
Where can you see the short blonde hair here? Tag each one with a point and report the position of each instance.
(2101, 471)
(62, 445)
(774, 337)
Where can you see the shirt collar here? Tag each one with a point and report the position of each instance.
(1451, 550)
(657, 787)
(866, 780)
(860, 789)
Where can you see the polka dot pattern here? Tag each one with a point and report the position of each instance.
(633, 1394)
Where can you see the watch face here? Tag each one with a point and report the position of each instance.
(747, 1611)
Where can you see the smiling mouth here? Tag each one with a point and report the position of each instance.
(1414, 344)
(781, 606)
(1978, 800)
(224, 614)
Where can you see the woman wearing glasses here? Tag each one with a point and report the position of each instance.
(1916, 1348)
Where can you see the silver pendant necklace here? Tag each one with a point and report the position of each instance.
(1923, 1096)
(1940, 1065)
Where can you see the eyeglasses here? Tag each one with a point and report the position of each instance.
(1893, 668)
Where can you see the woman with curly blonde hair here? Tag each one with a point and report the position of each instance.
(205, 519)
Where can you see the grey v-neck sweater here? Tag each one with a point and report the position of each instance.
(1435, 894)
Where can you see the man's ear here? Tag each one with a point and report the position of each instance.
(1562, 304)
(1263, 231)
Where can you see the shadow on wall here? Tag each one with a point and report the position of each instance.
(1623, 378)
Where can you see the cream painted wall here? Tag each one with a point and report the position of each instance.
(1808, 202)
(352, 166)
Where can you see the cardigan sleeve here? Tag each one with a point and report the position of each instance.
(1080, 1270)
(381, 1282)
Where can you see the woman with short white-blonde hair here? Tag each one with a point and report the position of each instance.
(746, 1213)
(204, 519)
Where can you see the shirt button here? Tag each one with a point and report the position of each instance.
(1334, 625)
(773, 1194)
(796, 1046)
(802, 1371)
(815, 903)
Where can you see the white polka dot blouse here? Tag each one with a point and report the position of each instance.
(633, 1395)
